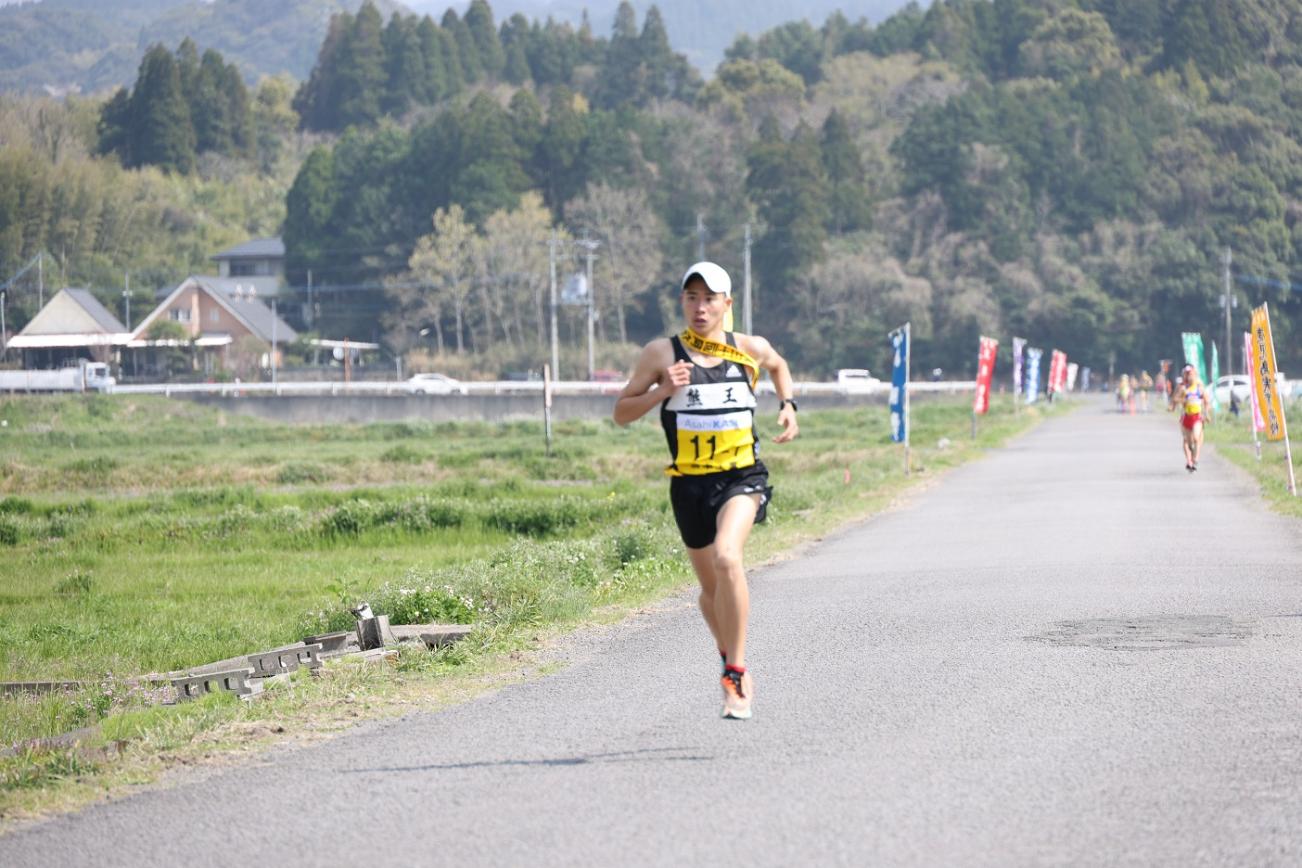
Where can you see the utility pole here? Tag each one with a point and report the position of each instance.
(551, 265)
(273, 344)
(1229, 302)
(589, 246)
(700, 237)
(4, 335)
(748, 321)
(126, 296)
(311, 311)
(40, 280)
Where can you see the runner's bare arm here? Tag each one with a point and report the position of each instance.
(655, 377)
(769, 359)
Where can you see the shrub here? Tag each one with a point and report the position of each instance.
(298, 472)
(75, 584)
(100, 465)
(10, 533)
(16, 505)
(402, 454)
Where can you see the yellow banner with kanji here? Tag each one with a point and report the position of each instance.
(1264, 382)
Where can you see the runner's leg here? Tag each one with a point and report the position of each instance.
(1197, 442)
(731, 596)
(1186, 443)
(703, 564)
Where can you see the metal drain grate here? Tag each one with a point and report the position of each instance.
(1159, 633)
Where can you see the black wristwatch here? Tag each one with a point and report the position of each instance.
(786, 401)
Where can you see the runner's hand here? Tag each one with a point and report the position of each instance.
(678, 374)
(790, 427)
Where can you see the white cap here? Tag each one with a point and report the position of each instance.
(716, 279)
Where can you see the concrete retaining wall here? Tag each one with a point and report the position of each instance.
(361, 409)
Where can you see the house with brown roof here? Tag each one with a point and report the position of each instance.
(222, 319)
(72, 325)
(259, 262)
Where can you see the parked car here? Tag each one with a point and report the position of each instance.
(856, 379)
(434, 384)
(1238, 383)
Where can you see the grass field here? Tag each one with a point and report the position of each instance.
(1233, 439)
(144, 535)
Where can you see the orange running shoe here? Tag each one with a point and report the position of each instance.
(737, 692)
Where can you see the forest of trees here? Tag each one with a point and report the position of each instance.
(1066, 170)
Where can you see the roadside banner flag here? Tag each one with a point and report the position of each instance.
(1266, 385)
(1033, 355)
(1072, 370)
(1193, 353)
(899, 385)
(1057, 372)
(1258, 423)
(1019, 348)
(1085, 379)
(985, 373)
(1215, 374)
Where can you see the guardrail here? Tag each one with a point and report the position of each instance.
(502, 387)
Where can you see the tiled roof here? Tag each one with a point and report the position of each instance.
(256, 315)
(258, 248)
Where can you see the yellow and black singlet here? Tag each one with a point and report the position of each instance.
(710, 423)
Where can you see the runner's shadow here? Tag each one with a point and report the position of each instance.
(657, 754)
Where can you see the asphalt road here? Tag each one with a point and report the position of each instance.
(1071, 652)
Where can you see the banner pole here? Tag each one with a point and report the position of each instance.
(908, 375)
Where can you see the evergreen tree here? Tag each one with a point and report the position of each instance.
(492, 175)
(188, 67)
(517, 64)
(309, 210)
(161, 131)
(435, 86)
(454, 75)
(623, 75)
(406, 77)
(654, 52)
(787, 181)
(472, 65)
(526, 123)
(317, 99)
(847, 188)
(114, 128)
(360, 76)
(210, 106)
(559, 152)
(479, 21)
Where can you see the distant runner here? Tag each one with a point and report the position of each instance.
(1191, 398)
(704, 381)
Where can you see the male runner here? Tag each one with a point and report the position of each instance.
(704, 381)
(1190, 396)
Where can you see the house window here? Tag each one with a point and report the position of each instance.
(251, 268)
(179, 314)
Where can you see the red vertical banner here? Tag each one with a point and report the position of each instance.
(1057, 372)
(985, 373)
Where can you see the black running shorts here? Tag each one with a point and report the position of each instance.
(698, 499)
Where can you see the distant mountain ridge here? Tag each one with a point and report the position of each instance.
(700, 29)
(61, 46)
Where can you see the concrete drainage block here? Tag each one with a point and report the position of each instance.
(284, 660)
(235, 681)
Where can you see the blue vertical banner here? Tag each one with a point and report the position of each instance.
(1033, 355)
(899, 385)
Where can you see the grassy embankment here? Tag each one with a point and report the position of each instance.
(1233, 439)
(143, 535)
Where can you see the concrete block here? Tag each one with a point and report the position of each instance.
(333, 644)
(282, 660)
(445, 634)
(237, 681)
(374, 632)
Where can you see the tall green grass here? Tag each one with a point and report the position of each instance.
(207, 537)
